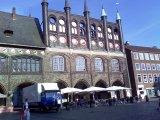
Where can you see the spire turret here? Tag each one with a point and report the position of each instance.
(67, 4)
(86, 6)
(118, 16)
(103, 13)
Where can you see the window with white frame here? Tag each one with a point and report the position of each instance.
(80, 63)
(153, 66)
(82, 29)
(146, 56)
(137, 66)
(158, 67)
(100, 35)
(141, 56)
(155, 78)
(52, 24)
(148, 66)
(156, 56)
(74, 27)
(58, 63)
(98, 63)
(145, 79)
(115, 65)
(151, 56)
(139, 78)
(143, 66)
(62, 26)
(93, 31)
(135, 55)
(150, 78)
(116, 37)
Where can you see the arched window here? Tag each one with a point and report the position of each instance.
(93, 31)
(80, 63)
(115, 65)
(74, 27)
(58, 63)
(53, 39)
(62, 25)
(100, 35)
(109, 30)
(26, 64)
(98, 64)
(116, 36)
(52, 24)
(3, 64)
(82, 29)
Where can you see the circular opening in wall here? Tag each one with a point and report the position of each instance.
(8, 33)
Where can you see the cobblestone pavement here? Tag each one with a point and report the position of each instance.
(136, 111)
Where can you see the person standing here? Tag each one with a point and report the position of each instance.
(26, 110)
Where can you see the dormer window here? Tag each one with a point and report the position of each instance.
(61, 26)
(52, 24)
(8, 33)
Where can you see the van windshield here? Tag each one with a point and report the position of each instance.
(55, 95)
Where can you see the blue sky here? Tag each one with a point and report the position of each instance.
(140, 18)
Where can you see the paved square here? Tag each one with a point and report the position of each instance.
(136, 111)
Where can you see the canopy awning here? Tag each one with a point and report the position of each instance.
(94, 89)
(114, 88)
(2, 95)
(70, 90)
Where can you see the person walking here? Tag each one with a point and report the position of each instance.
(26, 110)
(147, 98)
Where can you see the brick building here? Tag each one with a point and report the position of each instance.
(144, 70)
(72, 50)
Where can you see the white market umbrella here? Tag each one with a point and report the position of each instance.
(70, 90)
(2, 95)
(114, 88)
(94, 89)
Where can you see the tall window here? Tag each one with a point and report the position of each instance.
(143, 66)
(98, 63)
(153, 66)
(62, 26)
(3, 64)
(135, 55)
(74, 27)
(58, 63)
(139, 77)
(26, 64)
(146, 55)
(150, 78)
(141, 56)
(151, 56)
(115, 65)
(158, 67)
(82, 29)
(148, 66)
(93, 31)
(100, 35)
(145, 79)
(137, 66)
(52, 24)
(156, 56)
(155, 78)
(109, 33)
(80, 63)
